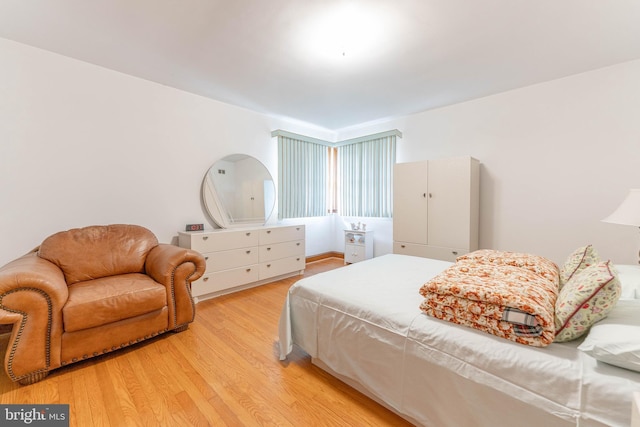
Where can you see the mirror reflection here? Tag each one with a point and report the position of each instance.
(238, 190)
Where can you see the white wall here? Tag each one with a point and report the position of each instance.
(82, 145)
(556, 159)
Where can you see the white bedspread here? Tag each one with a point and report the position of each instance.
(364, 323)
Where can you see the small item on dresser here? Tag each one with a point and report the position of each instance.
(194, 227)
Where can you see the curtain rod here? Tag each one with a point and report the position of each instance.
(286, 134)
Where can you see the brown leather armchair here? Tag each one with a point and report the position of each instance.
(92, 290)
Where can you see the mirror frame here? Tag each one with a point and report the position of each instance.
(216, 204)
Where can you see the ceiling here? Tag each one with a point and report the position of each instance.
(334, 63)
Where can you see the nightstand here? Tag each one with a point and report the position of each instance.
(358, 245)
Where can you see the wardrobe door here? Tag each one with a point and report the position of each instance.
(410, 202)
(450, 208)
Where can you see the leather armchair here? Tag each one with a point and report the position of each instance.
(89, 291)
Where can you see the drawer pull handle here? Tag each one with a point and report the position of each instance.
(454, 252)
(297, 259)
(206, 258)
(402, 246)
(248, 234)
(297, 228)
(248, 252)
(248, 270)
(205, 279)
(298, 244)
(268, 249)
(268, 265)
(205, 237)
(268, 231)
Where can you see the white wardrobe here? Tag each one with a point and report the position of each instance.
(436, 207)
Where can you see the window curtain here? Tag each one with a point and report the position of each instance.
(365, 177)
(302, 178)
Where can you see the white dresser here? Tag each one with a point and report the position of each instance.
(240, 258)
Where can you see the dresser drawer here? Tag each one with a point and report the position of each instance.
(226, 279)
(425, 251)
(281, 250)
(212, 241)
(413, 249)
(281, 234)
(224, 260)
(445, 254)
(281, 266)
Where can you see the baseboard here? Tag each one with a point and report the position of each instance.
(325, 255)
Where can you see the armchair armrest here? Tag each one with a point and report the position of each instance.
(176, 268)
(32, 294)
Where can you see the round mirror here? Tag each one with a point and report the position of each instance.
(238, 190)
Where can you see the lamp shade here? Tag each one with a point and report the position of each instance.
(628, 213)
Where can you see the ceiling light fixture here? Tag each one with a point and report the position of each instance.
(347, 30)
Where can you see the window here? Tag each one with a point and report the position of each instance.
(352, 177)
(365, 177)
(302, 178)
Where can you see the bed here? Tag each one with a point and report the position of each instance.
(362, 323)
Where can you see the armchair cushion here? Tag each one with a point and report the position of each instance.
(109, 299)
(106, 251)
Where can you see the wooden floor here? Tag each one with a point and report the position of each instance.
(223, 371)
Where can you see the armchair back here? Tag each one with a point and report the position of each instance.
(98, 251)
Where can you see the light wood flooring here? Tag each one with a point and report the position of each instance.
(223, 371)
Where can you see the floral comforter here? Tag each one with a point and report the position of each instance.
(507, 294)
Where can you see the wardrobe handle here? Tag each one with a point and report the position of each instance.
(424, 195)
(430, 195)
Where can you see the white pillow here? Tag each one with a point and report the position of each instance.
(616, 339)
(629, 276)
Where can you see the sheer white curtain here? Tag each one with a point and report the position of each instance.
(365, 177)
(302, 178)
